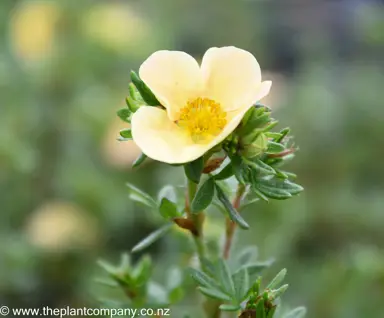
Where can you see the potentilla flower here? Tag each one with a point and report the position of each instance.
(203, 104)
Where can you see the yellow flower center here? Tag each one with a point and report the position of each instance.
(203, 118)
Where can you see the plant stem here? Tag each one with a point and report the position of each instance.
(230, 225)
(198, 220)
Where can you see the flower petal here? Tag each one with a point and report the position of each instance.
(162, 140)
(231, 77)
(174, 77)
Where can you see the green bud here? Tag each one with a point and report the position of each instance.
(132, 104)
(256, 146)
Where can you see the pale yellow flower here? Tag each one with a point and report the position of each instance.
(204, 104)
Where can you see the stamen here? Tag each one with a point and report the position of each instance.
(203, 118)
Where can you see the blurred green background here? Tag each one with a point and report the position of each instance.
(64, 71)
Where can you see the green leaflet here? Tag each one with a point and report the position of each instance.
(152, 238)
(139, 160)
(204, 196)
(194, 169)
(144, 90)
(233, 214)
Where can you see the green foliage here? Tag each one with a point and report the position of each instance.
(152, 238)
(194, 169)
(124, 114)
(233, 288)
(204, 196)
(232, 213)
(139, 160)
(144, 91)
(137, 195)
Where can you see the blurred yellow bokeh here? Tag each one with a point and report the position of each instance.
(57, 226)
(116, 26)
(32, 29)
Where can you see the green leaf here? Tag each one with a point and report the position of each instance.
(124, 114)
(255, 122)
(126, 133)
(282, 184)
(194, 169)
(271, 312)
(204, 196)
(278, 279)
(276, 293)
(260, 166)
(260, 309)
(274, 193)
(224, 277)
(254, 270)
(260, 194)
(168, 209)
(110, 269)
(298, 312)
(144, 90)
(246, 255)
(132, 104)
(233, 214)
(174, 278)
(227, 307)
(238, 167)
(225, 173)
(176, 295)
(143, 271)
(203, 279)
(214, 293)
(133, 92)
(241, 283)
(274, 147)
(273, 135)
(152, 238)
(169, 192)
(139, 160)
(135, 194)
(284, 132)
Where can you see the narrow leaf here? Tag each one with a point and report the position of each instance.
(203, 279)
(276, 293)
(233, 214)
(274, 193)
(254, 270)
(247, 254)
(204, 196)
(126, 133)
(225, 173)
(214, 293)
(140, 159)
(298, 312)
(169, 192)
(260, 194)
(124, 114)
(241, 283)
(194, 169)
(151, 238)
(224, 277)
(138, 195)
(261, 166)
(168, 209)
(278, 279)
(274, 147)
(228, 307)
(144, 90)
(260, 309)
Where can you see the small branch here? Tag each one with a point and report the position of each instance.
(230, 225)
(197, 219)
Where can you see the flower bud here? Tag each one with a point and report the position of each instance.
(255, 146)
